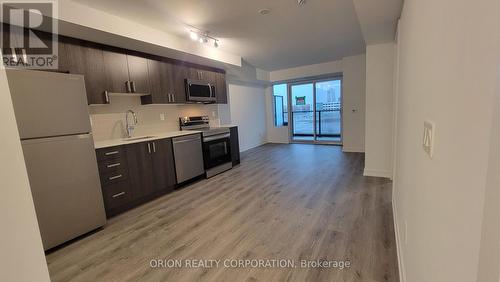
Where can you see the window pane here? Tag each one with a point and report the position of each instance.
(280, 93)
(278, 111)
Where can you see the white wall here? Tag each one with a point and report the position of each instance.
(353, 115)
(306, 71)
(379, 110)
(489, 260)
(448, 66)
(274, 134)
(21, 251)
(248, 112)
(353, 69)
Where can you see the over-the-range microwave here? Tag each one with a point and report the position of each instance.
(200, 92)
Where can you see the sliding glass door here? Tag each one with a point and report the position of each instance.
(316, 111)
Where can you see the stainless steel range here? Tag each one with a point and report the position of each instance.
(216, 144)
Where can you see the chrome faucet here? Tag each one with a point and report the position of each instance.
(130, 127)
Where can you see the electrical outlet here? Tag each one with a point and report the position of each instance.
(162, 116)
(428, 138)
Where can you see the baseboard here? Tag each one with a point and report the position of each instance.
(347, 149)
(401, 269)
(253, 146)
(377, 173)
(278, 142)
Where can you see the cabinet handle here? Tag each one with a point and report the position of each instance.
(127, 86)
(173, 97)
(133, 86)
(106, 96)
(118, 195)
(113, 165)
(111, 153)
(154, 147)
(168, 95)
(149, 148)
(116, 177)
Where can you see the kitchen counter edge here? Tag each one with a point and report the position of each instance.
(120, 142)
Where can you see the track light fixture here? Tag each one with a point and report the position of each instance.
(203, 37)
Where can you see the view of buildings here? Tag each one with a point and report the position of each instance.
(328, 104)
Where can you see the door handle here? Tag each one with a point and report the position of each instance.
(127, 86)
(149, 148)
(154, 147)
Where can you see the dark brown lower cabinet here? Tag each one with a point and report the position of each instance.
(163, 165)
(235, 145)
(135, 173)
(151, 167)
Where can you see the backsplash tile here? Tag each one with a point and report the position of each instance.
(108, 121)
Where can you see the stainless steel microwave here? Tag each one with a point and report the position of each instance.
(200, 92)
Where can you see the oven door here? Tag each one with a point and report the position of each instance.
(216, 150)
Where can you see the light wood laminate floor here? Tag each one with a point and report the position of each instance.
(294, 202)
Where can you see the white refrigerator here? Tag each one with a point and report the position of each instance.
(54, 124)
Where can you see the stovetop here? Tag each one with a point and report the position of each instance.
(201, 123)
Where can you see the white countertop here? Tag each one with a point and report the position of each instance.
(123, 141)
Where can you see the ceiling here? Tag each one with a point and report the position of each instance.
(291, 35)
(378, 19)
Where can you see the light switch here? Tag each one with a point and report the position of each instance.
(162, 116)
(428, 138)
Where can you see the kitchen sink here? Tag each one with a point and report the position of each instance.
(138, 138)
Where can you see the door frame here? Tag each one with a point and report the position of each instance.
(290, 111)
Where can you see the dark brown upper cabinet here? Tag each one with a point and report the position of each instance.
(125, 73)
(116, 72)
(202, 75)
(221, 88)
(180, 75)
(78, 57)
(161, 81)
(138, 74)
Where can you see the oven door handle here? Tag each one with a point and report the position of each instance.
(215, 137)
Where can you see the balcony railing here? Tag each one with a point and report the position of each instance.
(327, 123)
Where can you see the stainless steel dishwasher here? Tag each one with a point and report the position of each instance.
(188, 156)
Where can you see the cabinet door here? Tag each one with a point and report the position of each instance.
(161, 81)
(116, 71)
(202, 75)
(138, 74)
(158, 94)
(139, 156)
(81, 58)
(163, 165)
(209, 76)
(180, 75)
(221, 88)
